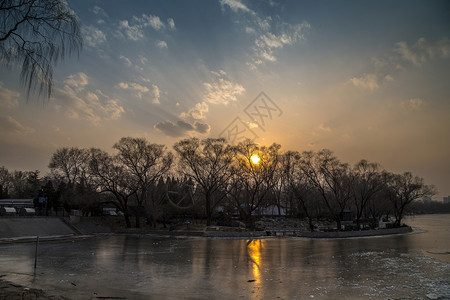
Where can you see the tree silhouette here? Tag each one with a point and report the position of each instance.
(207, 162)
(36, 34)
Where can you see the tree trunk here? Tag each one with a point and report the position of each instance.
(208, 209)
(127, 219)
(338, 223)
(311, 225)
(138, 220)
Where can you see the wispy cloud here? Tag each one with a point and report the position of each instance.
(422, 51)
(236, 6)
(182, 128)
(77, 101)
(156, 94)
(271, 34)
(171, 23)
(142, 91)
(139, 90)
(398, 59)
(414, 104)
(10, 126)
(134, 29)
(221, 90)
(367, 81)
(161, 44)
(197, 112)
(99, 11)
(93, 37)
(126, 60)
(8, 98)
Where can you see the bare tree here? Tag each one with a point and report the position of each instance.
(207, 162)
(145, 163)
(299, 185)
(71, 164)
(253, 178)
(330, 178)
(36, 34)
(367, 184)
(111, 177)
(404, 190)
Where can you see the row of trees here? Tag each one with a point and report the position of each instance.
(145, 179)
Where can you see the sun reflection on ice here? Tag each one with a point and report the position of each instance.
(254, 250)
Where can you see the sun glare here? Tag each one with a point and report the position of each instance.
(255, 159)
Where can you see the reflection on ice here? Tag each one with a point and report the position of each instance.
(167, 268)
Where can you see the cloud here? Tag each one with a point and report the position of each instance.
(134, 29)
(414, 104)
(141, 90)
(93, 37)
(9, 126)
(161, 44)
(324, 128)
(398, 58)
(182, 128)
(235, 6)
(8, 98)
(99, 11)
(272, 35)
(78, 80)
(197, 112)
(422, 51)
(268, 42)
(77, 101)
(156, 94)
(133, 33)
(171, 23)
(153, 21)
(367, 81)
(133, 86)
(221, 90)
(143, 59)
(126, 60)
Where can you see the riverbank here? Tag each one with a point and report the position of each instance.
(11, 291)
(56, 229)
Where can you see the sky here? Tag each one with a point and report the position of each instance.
(365, 79)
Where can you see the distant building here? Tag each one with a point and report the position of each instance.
(447, 200)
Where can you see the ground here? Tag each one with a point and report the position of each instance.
(10, 291)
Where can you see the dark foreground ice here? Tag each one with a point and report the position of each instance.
(412, 266)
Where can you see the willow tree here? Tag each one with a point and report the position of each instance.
(207, 162)
(36, 34)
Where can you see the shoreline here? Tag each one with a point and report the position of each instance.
(11, 291)
(271, 233)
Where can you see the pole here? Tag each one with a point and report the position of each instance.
(36, 253)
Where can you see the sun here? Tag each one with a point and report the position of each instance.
(255, 159)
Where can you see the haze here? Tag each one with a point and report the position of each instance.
(365, 79)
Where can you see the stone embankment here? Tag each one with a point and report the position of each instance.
(53, 228)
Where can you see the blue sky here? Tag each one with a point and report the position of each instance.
(366, 79)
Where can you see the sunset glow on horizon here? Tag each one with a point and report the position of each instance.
(365, 79)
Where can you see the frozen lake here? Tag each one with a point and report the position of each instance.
(413, 266)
